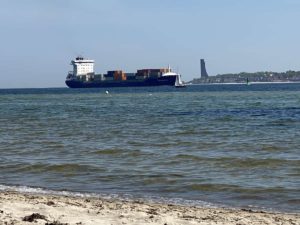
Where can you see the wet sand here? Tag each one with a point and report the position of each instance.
(19, 208)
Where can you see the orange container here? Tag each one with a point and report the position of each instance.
(119, 75)
(124, 76)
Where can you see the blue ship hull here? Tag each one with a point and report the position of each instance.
(167, 80)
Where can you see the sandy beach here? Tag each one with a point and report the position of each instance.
(19, 208)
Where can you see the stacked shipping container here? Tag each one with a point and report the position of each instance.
(151, 72)
(119, 75)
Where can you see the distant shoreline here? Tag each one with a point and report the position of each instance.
(275, 82)
(245, 77)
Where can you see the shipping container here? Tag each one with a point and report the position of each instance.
(119, 75)
(131, 78)
(151, 72)
(98, 77)
(140, 73)
(109, 78)
(140, 78)
(89, 77)
(130, 75)
(155, 74)
(82, 77)
(164, 70)
(112, 72)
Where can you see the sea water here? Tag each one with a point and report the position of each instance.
(228, 145)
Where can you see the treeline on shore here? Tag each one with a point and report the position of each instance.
(288, 76)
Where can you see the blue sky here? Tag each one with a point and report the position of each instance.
(39, 37)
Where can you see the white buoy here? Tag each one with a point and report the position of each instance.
(107, 92)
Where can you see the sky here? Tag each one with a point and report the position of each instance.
(39, 38)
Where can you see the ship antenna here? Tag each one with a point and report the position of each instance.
(169, 68)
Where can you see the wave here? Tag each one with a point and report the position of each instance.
(122, 152)
(238, 162)
(112, 151)
(112, 196)
(219, 187)
(55, 168)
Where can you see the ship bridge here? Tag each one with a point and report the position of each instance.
(82, 66)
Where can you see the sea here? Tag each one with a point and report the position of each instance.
(233, 145)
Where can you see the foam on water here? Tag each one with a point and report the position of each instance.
(125, 197)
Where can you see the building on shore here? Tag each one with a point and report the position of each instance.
(203, 69)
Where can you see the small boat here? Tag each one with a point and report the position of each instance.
(247, 81)
(178, 82)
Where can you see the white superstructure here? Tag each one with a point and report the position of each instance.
(169, 73)
(82, 66)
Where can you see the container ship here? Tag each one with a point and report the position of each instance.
(83, 76)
